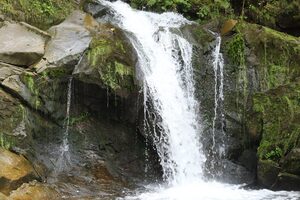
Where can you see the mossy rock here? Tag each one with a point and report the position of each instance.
(282, 15)
(274, 55)
(109, 62)
(279, 110)
(11, 115)
(42, 14)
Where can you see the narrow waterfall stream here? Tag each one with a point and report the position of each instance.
(218, 135)
(64, 159)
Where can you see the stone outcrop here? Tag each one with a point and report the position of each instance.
(19, 45)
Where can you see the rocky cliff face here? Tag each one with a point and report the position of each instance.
(260, 88)
(35, 68)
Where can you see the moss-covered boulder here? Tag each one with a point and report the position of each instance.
(109, 62)
(266, 63)
(282, 15)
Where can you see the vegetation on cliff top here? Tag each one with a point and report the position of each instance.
(42, 14)
(193, 9)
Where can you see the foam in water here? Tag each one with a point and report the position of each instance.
(164, 58)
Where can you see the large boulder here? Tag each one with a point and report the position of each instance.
(20, 44)
(15, 170)
(69, 40)
(109, 62)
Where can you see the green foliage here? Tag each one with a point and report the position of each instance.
(162, 5)
(29, 81)
(275, 154)
(194, 9)
(41, 13)
(280, 111)
(235, 49)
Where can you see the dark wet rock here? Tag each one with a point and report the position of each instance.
(291, 162)
(249, 159)
(95, 9)
(236, 174)
(287, 181)
(267, 173)
(24, 47)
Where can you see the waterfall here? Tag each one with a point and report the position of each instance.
(165, 64)
(171, 119)
(64, 159)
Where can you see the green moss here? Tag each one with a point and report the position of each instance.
(111, 57)
(114, 75)
(100, 51)
(57, 72)
(30, 82)
(278, 54)
(235, 49)
(280, 110)
(40, 13)
(6, 142)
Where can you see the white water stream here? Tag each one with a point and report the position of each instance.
(64, 159)
(165, 63)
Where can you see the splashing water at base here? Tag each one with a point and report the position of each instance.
(209, 191)
(165, 58)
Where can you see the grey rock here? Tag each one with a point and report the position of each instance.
(19, 45)
(69, 40)
(7, 70)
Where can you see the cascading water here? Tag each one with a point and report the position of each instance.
(165, 63)
(164, 60)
